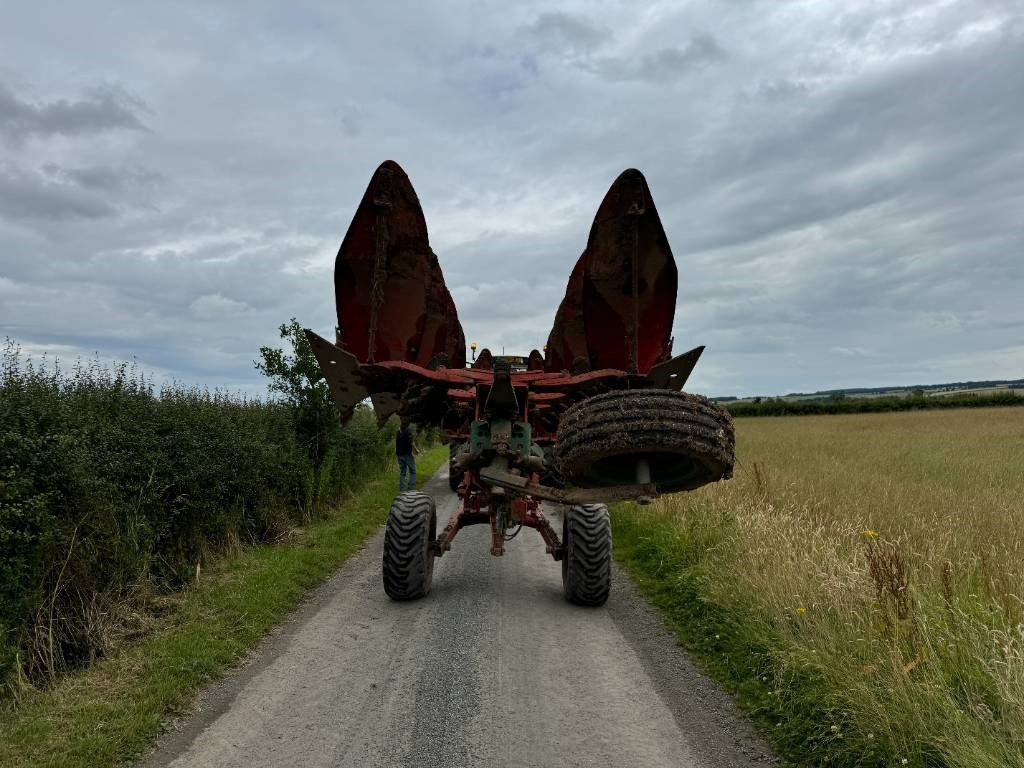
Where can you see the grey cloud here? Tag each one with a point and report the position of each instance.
(580, 40)
(662, 66)
(851, 351)
(215, 306)
(175, 310)
(105, 178)
(565, 33)
(29, 196)
(350, 117)
(487, 73)
(781, 89)
(102, 109)
(113, 179)
(910, 141)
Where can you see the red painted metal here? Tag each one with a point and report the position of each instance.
(480, 506)
(466, 514)
(623, 282)
(391, 297)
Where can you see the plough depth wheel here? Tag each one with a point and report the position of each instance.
(675, 440)
(587, 563)
(408, 559)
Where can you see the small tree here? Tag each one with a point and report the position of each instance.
(297, 377)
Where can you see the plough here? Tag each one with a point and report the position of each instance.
(600, 415)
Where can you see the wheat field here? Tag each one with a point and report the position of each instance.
(877, 559)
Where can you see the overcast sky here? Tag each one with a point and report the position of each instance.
(842, 184)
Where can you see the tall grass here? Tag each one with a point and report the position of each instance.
(860, 582)
(112, 492)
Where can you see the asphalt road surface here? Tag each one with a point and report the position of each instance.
(492, 668)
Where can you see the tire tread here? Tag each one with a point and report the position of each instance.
(587, 562)
(408, 563)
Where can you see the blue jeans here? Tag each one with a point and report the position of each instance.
(406, 463)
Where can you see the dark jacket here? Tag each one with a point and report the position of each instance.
(403, 442)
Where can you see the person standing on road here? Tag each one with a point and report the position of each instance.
(404, 449)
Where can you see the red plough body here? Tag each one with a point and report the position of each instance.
(623, 282)
(399, 343)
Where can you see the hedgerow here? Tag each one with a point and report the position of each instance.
(112, 491)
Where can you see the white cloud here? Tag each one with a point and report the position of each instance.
(213, 306)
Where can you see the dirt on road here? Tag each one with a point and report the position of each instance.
(492, 668)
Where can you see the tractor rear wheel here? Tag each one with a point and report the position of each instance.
(587, 560)
(683, 441)
(408, 555)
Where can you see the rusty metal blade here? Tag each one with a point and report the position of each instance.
(620, 299)
(385, 404)
(342, 373)
(392, 300)
(673, 373)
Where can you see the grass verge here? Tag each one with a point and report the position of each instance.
(667, 569)
(112, 711)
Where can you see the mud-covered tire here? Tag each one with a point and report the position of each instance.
(408, 537)
(587, 560)
(687, 440)
(454, 477)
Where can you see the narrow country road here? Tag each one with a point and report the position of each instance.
(493, 668)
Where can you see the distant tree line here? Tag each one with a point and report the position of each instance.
(895, 391)
(839, 403)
